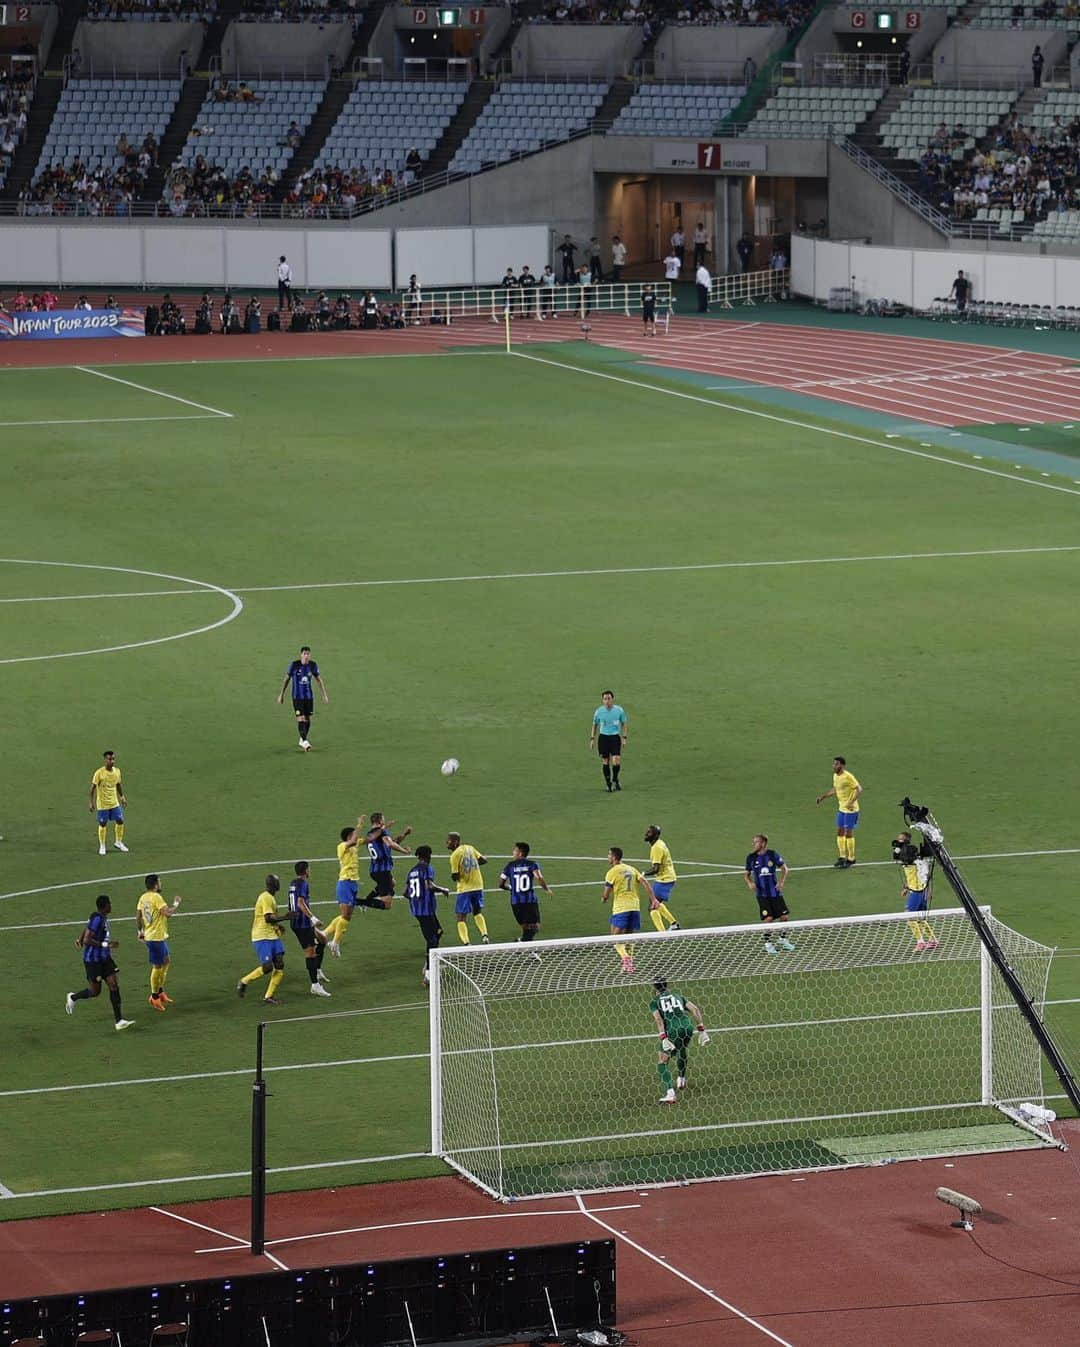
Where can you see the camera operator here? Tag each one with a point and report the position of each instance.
(916, 862)
(204, 315)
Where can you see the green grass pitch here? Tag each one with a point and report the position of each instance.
(948, 677)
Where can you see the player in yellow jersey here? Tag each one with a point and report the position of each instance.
(847, 791)
(266, 937)
(107, 800)
(621, 885)
(661, 872)
(348, 886)
(465, 863)
(152, 915)
(916, 863)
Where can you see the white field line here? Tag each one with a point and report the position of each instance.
(112, 594)
(224, 1174)
(319, 860)
(729, 872)
(604, 570)
(198, 586)
(5, 1192)
(662, 1261)
(796, 424)
(423, 1056)
(143, 388)
(433, 1220)
(116, 420)
(262, 360)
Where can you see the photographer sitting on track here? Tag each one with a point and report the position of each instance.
(918, 863)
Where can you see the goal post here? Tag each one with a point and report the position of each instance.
(851, 1048)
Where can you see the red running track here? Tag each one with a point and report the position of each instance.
(833, 1259)
(921, 380)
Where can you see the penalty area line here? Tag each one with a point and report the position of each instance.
(683, 1276)
(211, 1178)
(144, 388)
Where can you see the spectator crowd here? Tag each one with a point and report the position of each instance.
(654, 14)
(16, 94)
(1022, 168)
(156, 11)
(103, 189)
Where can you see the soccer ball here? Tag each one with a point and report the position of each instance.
(450, 766)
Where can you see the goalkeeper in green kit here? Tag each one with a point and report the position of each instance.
(676, 1019)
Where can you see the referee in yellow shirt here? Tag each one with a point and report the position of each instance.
(847, 790)
(152, 915)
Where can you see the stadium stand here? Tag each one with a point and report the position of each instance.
(382, 122)
(677, 109)
(947, 120)
(522, 116)
(1049, 15)
(102, 143)
(234, 138)
(799, 111)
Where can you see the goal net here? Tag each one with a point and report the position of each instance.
(851, 1048)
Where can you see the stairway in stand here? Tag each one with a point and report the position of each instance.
(616, 98)
(463, 122)
(320, 126)
(176, 134)
(46, 96)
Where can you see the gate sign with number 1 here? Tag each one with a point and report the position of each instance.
(710, 156)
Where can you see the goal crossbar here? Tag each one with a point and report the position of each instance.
(845, 1043)
(464, 953)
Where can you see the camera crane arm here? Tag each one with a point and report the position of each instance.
(921, 820)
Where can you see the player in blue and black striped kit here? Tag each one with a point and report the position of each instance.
(766, 872)
(301, 673)
(96, 944)
(381, 847)
(423, 893)
(304, 926)
(520, 878)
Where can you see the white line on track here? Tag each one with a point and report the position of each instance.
(792, 421)
(116, 420)
(144, 388)
(432, 1220)
(683, 1276)
(240, 1242)
(210, 1229)
(207, 587)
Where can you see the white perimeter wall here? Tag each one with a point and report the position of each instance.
(915, 276)
(469, 256)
